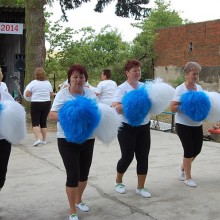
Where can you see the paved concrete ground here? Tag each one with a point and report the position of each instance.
(35, 185)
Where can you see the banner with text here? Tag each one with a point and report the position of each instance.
(11, 28)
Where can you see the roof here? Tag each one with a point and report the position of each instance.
(13, 14)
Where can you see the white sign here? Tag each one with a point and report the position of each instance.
(11, 28)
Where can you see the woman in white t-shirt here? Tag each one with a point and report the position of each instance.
(189, 131)
(40, 91)
(133, 140)
(106, 88)
(77, 158)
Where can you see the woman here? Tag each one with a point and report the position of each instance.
(106, 88)
(190, 132)
(133, 140)
(40, 90)
(77, 158)
(5, 146)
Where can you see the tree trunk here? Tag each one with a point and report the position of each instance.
(35, 51)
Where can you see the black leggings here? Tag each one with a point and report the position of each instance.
(5, 150)
(77, 159)
(134, 141)
(39, 113)
(191, 138)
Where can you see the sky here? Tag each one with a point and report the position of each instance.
(84, 16)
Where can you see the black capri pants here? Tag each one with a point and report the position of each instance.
(77, 159)
(134, 141)
(5, 151)
(39, 113)
(191, 139)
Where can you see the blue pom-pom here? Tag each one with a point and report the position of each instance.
(196, 105)
(1, 107)
(136, 105)
(79, 118)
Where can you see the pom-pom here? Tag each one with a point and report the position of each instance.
(13, 122)
(195, 105)
(160, 94)
(136, 105)
(110, 122)
(214, 113)
(1, 107)
(79, 118)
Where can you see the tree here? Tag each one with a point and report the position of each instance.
(95, 50)
(159, 17)
(123, 8)
(35, 24)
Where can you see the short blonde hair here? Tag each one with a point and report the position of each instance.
(40, 74)
(191, 66)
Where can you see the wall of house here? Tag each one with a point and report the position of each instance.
(199, 42)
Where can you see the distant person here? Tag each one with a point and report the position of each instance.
(64, 84)
(77, 158)
(190, 132)
(40, 90)
(106, 88)
(2, 84)
(133, 141)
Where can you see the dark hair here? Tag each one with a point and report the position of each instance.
(131, 63)
(77, 68)
(107, 73)
(40, 74)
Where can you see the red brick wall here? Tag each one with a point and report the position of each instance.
(172, 44)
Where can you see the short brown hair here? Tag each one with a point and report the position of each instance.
(40, 74)
(132, 63)
(107, 73)
(77, 68)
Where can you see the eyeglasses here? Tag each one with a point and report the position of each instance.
(195, 74)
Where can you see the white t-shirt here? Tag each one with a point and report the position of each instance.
(119, 94)
(63, 96)
(180, 117)
(40, 90)
(5, 96)
(4, 86)
(106, 90)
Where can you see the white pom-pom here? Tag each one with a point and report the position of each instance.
(160, 94)
(214, 113)
(107, 129)
(12, 122)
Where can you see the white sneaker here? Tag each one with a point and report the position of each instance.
(120, 188)
(82, 207)
(143, 192)
(43, 142)
(190, 183)
(37, 142)
(73, 217)
(181, 174)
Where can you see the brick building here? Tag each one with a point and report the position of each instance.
(198, 42)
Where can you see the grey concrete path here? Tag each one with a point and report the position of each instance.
(35, 185)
